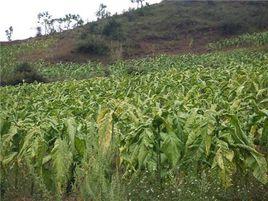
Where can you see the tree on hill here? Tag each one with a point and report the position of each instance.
(71, 21)
(102, 12)
(38, 31)
(9, 33)
(45, 20)
(138, 2)
(51, 25)
(113, 29)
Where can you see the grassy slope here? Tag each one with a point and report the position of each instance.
(179, 27)
(168, 27)
(173, 26)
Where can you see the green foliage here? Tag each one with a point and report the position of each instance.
(192, 124)
(138, 2)
(23, 73)
(51, 25)
(95, 28)
(256, 39)
(93, 44)
(159, 28)
(113, 30)
(70, 71)
(62, 158)
(102, 12)
(10, 55)
(206, 112)
(230, 28)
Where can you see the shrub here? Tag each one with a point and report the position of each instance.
(22, 73)
(113, 29)
(95, 27)
(93, 45)
(130, 15)
(230, 28)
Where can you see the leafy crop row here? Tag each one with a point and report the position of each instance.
(70, 71)
(242, 40)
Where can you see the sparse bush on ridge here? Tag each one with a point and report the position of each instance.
(94, 28)
(113, 29)
(100, 40)
(93, 44)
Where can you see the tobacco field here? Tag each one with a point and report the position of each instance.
(201, 115)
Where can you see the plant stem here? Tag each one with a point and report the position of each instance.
(159, 156)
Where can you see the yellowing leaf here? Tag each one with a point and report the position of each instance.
(219, 159)
(71, 130)
(208, 140)
(229, 154)
(105, 127)
(235, 104)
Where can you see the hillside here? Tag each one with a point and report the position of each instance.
(169, 27)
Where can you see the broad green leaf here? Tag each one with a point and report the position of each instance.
(80, 145)
(192, 136)
(260, 170)
(238, 132)
(170, 148)
(4, 126)
(62, 159)
(143, 152)
(71, 130)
